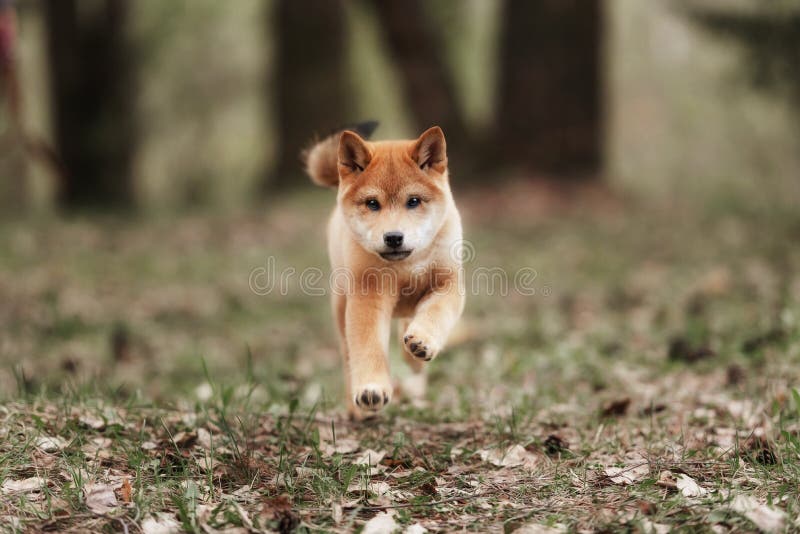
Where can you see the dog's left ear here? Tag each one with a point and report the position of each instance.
(430, 150)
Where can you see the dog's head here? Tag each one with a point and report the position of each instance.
(394, 194)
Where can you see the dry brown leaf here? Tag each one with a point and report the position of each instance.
(540, 529)
(96, 445)
(13, 523)
(766, 518)
(625, 475)
(337, 512)
(555, 444)
(616, 407)
(51, 443)
(100, 498)
(92, 422)
(689, 487)
(636, 469)
(205, 439)
(369, 457)
(125, 490)
(378, 488)
(185, 439)
(279, 510)
(654, 528)
(383, 523)
(161, 523)
(25, 485)
(513, 456)
(342, 446)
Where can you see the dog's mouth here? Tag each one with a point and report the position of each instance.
(396, 255)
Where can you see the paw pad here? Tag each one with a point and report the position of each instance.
(417, 348)
(371, 398)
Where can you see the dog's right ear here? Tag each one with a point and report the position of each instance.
(354, 154)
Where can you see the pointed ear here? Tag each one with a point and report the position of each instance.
(354, 154)
(430, 150)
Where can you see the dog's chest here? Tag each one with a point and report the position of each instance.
(410, 290)
(407, 303)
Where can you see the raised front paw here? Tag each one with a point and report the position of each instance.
(372, 397)
(420, 345)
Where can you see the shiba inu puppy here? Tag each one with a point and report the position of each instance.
(394, 243)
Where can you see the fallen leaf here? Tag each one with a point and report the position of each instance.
(513, 456)
(280, 512)
(369, 457)
(761, 450)
(378, 488)
(342, 446)
(100, 498)
(382, 523)
(429, 488)
(204, 438)
(185, 440)
(540, 529)
(337, 512)
(646, 507)
(50, 443)
(765, 517)
(735, 374)
(399, 462)
(97, 444)
(681, 350)
(653, 409)
(629, 474)
(555, 444)
(92, 422)
(204, 514)
(25, 485)
(306, 472)
(616, 407)
(204, 391)
(161, 523)
(125, 490)
(245, 517)
(689, 487)
(654, 528)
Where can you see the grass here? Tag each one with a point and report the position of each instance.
(660, 340)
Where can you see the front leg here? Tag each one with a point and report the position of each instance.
(368, 320)
(435, 317)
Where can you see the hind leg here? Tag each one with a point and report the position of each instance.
(339, 304)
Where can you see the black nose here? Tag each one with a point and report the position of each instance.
(393, 239)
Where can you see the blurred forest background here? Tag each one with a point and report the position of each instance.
(154, 105)
(640, 157)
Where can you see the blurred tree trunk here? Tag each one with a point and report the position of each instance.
(428, 87)
(310, 80)
(13, 164)
(92, 78)
(549, 116)
(770, 39)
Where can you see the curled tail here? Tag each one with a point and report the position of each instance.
(321, 159)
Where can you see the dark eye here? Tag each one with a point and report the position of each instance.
(373, 204)
(413, 202)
